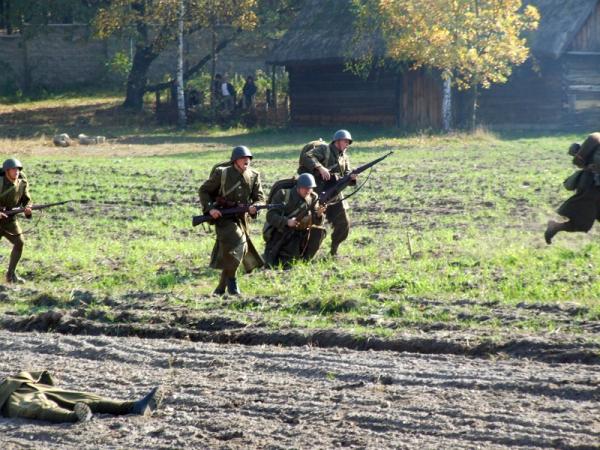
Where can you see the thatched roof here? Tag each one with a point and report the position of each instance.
(560, 22)
(323, 31)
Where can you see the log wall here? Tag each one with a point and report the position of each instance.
(324, 94)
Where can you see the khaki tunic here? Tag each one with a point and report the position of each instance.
(233, 246)
(34, 395)
(13, 195)
(298, 244)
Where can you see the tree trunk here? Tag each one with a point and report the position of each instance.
(473, 113)
(447, 105)
(138, 78)
(181, 118)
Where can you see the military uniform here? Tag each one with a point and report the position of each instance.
(34, 395)
(233, 246)
(13, 195)
(301, 243)
(583, 208)
(338, 164)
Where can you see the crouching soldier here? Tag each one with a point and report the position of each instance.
(231, 185)
(294, 231)
(330, 162)
(34, 395)
(14, 192)
(583, 208)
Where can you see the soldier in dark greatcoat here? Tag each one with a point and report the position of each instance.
(583, 208)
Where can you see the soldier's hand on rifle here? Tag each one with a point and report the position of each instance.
(292, 223)
(215, 213)
(27, 212)
(252, 210)
(325, 175)
(3, 216)
(354, 176)
(321, 210)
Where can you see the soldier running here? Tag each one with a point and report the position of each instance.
(327, 162)
(228, 186)
(14, 193)
(294, 232)
(583, 208)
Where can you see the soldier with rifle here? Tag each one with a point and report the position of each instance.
(327, 163)
(294, 231)
(14, 192)
(582, 208)
(230, 186)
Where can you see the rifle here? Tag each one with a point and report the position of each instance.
(334, 187)
(228, 212)
(15, 211)
(331, 189)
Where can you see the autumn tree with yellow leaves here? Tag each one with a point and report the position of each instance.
(473, 43)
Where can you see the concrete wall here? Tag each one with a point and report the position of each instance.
(68, 55)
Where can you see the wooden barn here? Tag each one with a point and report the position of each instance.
(558, 87)
(322, 91)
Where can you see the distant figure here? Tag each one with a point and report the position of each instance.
(583, 208)
(194, 98)
(34, 395)
(269, 98)
(227, 94)
(14, 192)
(249, 91)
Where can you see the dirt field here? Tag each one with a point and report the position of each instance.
(236, 397)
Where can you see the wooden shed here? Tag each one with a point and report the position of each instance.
(560, 85)
(322, 90)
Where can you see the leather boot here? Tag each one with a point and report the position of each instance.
(13, 278)
(220, 289)
(146, 405)
(232, 287)
(551, 230)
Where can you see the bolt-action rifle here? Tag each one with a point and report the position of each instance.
(330, 191)
(233, 211)
(334, 186)
(15, 211)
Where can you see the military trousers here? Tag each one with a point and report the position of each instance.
(337, 216)
(11, 230)
(56, 405)
(582, 210)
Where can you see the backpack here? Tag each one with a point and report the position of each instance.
(586, 152)
(311, 146)
(286, 183)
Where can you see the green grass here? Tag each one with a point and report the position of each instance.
(446, 218)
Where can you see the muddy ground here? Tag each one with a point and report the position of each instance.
(236, 397)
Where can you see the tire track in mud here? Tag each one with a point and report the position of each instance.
(235, 397)
(557, 348)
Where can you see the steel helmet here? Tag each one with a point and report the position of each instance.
(11, 163)
(306, 180)
(342, 134)
(241, 151)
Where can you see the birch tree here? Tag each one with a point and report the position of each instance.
(473, 43)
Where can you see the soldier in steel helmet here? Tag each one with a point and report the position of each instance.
(582, 209)
(294, 232)
(326, 162)
(228, 186)
(14, 193)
